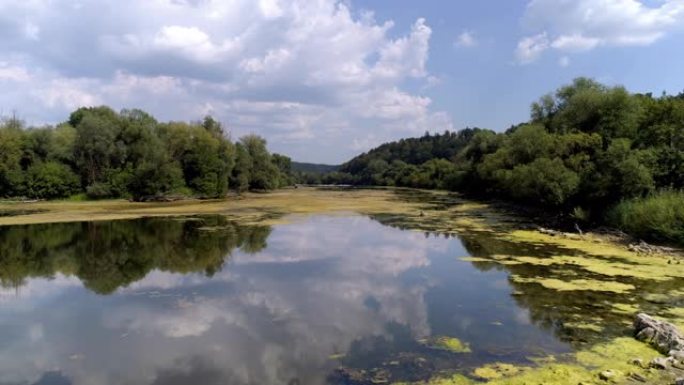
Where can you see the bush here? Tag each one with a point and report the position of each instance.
(99, 190)
(658, 217)
(51, 180)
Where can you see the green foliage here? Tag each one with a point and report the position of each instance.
(284, 166)
(544, 180)
(658, 217)
(156, 175)
(415, 151)
(257, 163)
(586, 145)
(51, 180)
(243, 169)
(105, 154)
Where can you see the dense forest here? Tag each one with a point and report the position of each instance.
(597, 153)
(104, 154)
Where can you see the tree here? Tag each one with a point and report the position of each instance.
(51, 180)
(263, 174)
(155, 174)
(242, 173)
(96, 148)
(11, 177)
(284, 166)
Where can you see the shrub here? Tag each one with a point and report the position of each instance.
(99, 190)
(658, 217)
(51, 180)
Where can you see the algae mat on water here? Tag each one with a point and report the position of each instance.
(265, 208)
(585, 289)
(619, 357)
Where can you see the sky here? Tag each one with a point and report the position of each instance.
(323, 80)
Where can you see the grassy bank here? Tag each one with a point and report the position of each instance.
(659, 217)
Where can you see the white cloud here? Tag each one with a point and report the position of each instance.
(564, 61)
(13, 73)
(313, 77)
(530, 48)
(466, 39)
(32, 31)
(583, 25)
(68, 93)
(575, 43)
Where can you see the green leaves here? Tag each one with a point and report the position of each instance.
(129, 154)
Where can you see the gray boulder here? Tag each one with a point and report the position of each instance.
(663, 336)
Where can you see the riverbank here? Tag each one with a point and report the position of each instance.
(592, 284)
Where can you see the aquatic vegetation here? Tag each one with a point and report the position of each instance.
(641, 267)
(582, 289)
(577, 284)
(625, 308)
(451, 344)
(456, 379)
(584, 366)
(250, 208)
(497, 370)
(584, 326)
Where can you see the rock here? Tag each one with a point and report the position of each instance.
(645, 248)
(663, 336)
(638, 362)
(679, 381)
(660, 363)
(560, 234)
(607, 375)
(638, 377)
(676, 354)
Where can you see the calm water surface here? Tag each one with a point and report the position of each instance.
(206, 301)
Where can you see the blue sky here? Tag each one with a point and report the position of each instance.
(323, 80)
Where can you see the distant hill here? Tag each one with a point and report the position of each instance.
(414, 151)
(313, 168)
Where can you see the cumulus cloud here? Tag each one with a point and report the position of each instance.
(313, 77)
(530, 48)
(466, 39)
(576, 26)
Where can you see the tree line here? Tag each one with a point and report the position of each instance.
(104, 154)
(596, 152)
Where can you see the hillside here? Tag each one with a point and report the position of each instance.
(313, 167)
(597, 153)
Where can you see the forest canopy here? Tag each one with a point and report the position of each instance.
(586, 148)
(129, 154)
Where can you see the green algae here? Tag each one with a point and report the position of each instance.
(584, 326)
(497, 370)
(577, 284)
(558, 269)
(456, 379)
(625, 308)
(447, 343)
(645, 268)
(582, 367)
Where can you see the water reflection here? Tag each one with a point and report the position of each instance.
(208, 301)
(109, 255)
